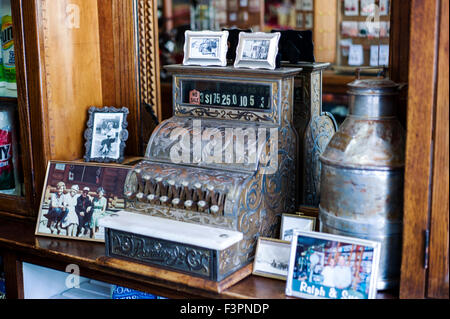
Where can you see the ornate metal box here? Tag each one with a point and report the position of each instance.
(226, 160)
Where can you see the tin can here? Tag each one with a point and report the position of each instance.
(363, 172)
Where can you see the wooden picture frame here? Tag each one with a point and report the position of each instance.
(205, 48)
(326, 266)
(106, 134)
(73, 178)
(272, 258)
(257, 50)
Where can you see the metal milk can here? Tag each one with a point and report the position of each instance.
(362, 174)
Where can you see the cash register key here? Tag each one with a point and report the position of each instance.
(137, 170)
(176, 202)
(164, 200)
(199, 192)
(186, 193)
(140, 196)
(152, 198)
(146, 177)
(215, 209)
(173, 190)
(188, 204)
(202, 206)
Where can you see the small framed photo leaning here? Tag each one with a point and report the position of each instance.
(272, 258)
(290, 222)
(257, 50)
(77, 195)
(205, 48)
(106, 134)
(327, 266)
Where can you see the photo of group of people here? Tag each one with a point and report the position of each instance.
(75, 199)
(332, 269)
(75, 214)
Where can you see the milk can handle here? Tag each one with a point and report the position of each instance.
(382, 73)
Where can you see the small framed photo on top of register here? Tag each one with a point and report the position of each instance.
(106, 134)
(205, 48)
(257, 50)
(326, 266)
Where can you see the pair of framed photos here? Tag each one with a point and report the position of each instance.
(256, 50)
(272, 255)
(319, 265)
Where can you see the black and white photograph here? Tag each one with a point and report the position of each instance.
(106, 134)
(290, 222)
(205, 48)
(76, 196)
(272, 258)
(326, 266)
(257, 50)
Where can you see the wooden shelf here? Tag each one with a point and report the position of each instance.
(19, 244)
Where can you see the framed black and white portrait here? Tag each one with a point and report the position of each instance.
(205, 48)
(106, 134)
(257, 50)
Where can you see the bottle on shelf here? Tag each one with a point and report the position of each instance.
(8, 148)
(3, 11)
(9, 63)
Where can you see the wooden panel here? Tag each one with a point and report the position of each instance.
(119, 62)
(149, 74)
(325, 13)
(422, 74)
(399, 51)
(13, 276)
(439, 242)
(71, 72)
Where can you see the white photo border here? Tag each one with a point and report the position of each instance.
(259, 246)
(220, 60)
(337, 238)
(269, 62)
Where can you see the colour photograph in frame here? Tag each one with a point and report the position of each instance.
(257, 50)
(106, 134)
(326, 266)
(272, 258)
(76, 195)
(205, 48)
(289, 222)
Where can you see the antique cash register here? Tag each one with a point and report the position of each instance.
(216, 175)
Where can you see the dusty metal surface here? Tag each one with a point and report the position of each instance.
(363, 173)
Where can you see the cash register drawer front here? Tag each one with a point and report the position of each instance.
(192, 260)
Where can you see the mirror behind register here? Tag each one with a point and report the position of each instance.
(241, 193)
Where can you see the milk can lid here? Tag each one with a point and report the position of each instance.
(373, 84)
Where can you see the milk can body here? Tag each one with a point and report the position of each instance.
(363, 172)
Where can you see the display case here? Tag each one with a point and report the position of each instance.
(16, 156)
(49, 97)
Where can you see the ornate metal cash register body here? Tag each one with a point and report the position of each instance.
(224, 163)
